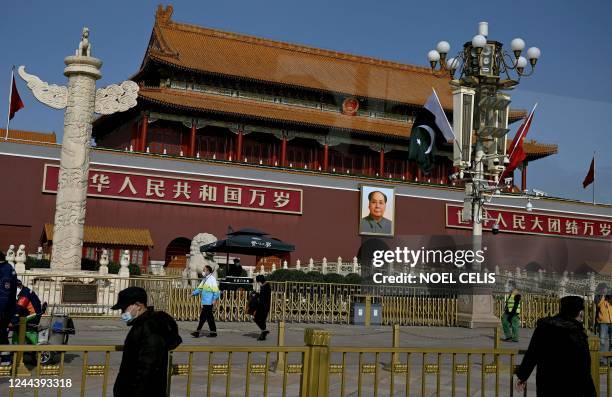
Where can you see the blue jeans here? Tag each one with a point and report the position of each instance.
(605, 332)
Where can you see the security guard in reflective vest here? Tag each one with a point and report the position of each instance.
(511, 320)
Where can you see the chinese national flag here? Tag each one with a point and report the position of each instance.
(517, 153)
(16, 103)
(590, 177)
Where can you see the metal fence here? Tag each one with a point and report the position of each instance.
(317, 369)
(291, 301)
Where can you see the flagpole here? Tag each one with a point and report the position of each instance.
(8, 112)
(594, 177)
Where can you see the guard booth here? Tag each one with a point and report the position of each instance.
(367, 309)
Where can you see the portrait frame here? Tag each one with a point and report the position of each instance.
(364, 211)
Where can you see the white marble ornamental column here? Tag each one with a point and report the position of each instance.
(81, 100)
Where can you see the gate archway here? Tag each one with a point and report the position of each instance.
(176, 252)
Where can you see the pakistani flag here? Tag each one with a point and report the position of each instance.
(422, 147)
(430, 122)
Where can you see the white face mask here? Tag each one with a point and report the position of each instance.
(18, 291)
(127, 315)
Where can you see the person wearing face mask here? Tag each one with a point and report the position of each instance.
(559, 348)
(144, 365)
(208, 289)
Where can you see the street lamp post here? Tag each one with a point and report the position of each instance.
(480, 73)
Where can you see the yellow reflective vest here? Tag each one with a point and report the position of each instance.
(510, 304)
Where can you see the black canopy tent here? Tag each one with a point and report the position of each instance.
(249, 242)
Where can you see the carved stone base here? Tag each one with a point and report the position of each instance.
(20, 268)
(476, 311)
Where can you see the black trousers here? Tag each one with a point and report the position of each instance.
(4, 323)
(4, 339)
(260, 319)
(206, 315)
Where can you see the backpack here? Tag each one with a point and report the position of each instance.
(35, 301)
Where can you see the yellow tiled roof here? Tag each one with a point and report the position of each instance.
(32, 136)
(110, 235)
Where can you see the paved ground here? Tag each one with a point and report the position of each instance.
(112, 332)
(244, 334)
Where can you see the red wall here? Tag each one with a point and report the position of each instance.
(327, 227)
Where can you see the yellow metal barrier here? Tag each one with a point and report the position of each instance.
(317, 369)
(291, 301)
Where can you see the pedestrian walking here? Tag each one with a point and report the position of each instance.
(8, 299)
(208, 289)
(511, 320)
(264, 299)
(600, 293)
(144, 365)
(559, 349)
(604, 319)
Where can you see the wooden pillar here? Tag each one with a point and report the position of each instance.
(524, 176)
(144, 129)
(283, 162)
(145, 258)
(408, 173)
(381, 163)
(192, 140)
(325, 157)
(274, 151)
(134, 141)
(239, 147)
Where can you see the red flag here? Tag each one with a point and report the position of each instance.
(517, 154)
(15, 103)
(590, 177)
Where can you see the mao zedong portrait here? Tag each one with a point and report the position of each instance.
(375, 222)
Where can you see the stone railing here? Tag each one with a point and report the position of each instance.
(324, 266)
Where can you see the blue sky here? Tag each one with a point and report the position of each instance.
(572, 83)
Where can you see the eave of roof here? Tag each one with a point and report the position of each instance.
(274, 112)
(33, 136)
(215, 51)
(196, 101)
(110, 235)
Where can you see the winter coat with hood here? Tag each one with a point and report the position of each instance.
(144, 366)
(559, 348)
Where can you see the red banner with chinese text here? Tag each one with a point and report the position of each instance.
(173, 190)
(535, 223)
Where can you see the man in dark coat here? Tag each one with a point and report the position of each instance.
(264, 300)
(144, 365)
(559, 348)
(8, 299)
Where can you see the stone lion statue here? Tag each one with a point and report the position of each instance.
(197, 260)
(10, 255)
